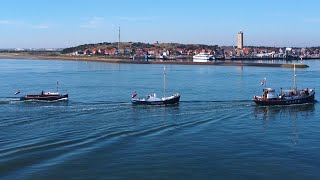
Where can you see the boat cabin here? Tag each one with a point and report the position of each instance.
(152, 97)
(269, 93)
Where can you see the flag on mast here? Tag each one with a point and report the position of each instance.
(18, 92)
(263, 81)
(134, 94)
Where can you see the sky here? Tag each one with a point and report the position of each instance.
(67, 23)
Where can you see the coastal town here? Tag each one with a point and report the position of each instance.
(173, 51)
(176, 51)
(219, 52)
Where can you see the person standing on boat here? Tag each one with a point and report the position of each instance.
(265, 94)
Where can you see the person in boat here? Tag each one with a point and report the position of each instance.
(307, 92)
(265, 92)
(42, 92)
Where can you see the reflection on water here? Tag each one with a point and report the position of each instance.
(290, 115)
(268, 112)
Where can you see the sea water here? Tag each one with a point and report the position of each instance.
(216, 132)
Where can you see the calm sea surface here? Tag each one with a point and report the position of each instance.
(216, 132)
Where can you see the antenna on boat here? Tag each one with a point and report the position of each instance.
(57, 86)
(264, 82)
(164, 81)
(294, 77)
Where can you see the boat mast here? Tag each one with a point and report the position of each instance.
(294, 77)
(164, 81)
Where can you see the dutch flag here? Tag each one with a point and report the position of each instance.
(17, 92)
(263, 81)
(134, 94)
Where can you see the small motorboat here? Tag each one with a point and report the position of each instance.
(45, 96)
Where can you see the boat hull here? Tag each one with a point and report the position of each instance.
(201, 60)
(45, 97)
(171, 101)
(278, 102)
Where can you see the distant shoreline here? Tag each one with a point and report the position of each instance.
(126, 61)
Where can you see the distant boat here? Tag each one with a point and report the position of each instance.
(203, 57)
(286, 97)
(289, 57)
(149, 56)
(152, 99)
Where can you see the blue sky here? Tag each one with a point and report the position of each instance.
(65, 23)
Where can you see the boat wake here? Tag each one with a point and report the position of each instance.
(9, 100)
(222, 101)
(44, 101)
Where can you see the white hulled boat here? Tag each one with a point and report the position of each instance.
(203, 57)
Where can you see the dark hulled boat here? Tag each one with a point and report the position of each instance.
(154, 100)
(286, 97)
(47, 96)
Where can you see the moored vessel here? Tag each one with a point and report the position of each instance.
(203, 57)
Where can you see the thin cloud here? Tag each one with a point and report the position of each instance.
(94, 23)
(11, 22)
(23, 24)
